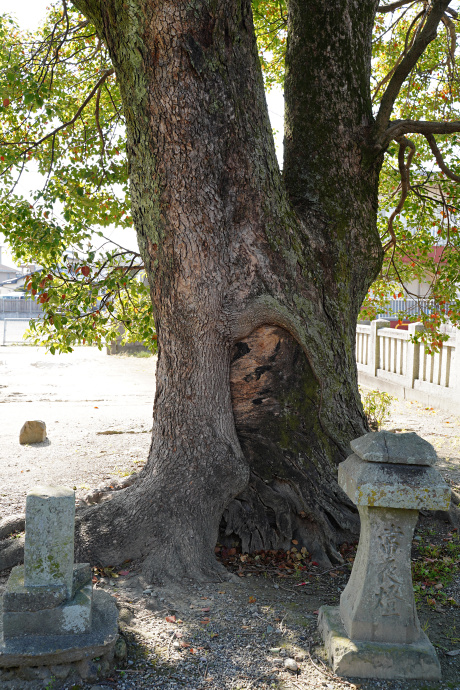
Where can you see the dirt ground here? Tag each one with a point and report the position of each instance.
(227, 635)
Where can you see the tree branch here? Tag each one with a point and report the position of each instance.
(425, 37)
(439, 159)
(95, 88)
(400, 127)
(404, 167)
(392, 6)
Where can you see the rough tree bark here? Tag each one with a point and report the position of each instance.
(256, 276)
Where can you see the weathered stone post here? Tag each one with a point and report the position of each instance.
(49, 616)
(375, 633)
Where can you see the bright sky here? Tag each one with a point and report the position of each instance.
(28, 14)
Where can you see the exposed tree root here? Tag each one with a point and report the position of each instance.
(12, 523)
(11, 553)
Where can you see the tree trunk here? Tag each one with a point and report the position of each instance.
(256, 278)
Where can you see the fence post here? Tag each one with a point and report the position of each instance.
(413, 355)
(374, 352)
(455, 365)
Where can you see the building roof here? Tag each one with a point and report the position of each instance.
(7, 269)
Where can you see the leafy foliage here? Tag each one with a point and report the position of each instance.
(270, 20)
(61, 118)
(376, 406)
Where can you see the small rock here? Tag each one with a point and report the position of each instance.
(176, 644)
(125, 615)
(121, 650)
(147, 592)
(274, 650)
(32, 432)
(270, 628)
(291, 665)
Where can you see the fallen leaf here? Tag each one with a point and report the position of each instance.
(123, 572)
(205, 610)
(252, 600)
(314, 563)
(170, 619)
(316, 612)
(294, 541)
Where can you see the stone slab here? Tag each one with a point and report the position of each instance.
(402, 449)
(412, 487)
(63, 649)
(70, 617)
(49, 538)
(32, 432)
(357, 659)
(18, 597)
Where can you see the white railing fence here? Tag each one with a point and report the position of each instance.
(387, 359)
(19, 306)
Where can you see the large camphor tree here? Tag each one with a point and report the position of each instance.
(256, 276)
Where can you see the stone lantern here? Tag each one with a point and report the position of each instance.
(375, 632)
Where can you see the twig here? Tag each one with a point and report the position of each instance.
(337, 567)
(170, 642)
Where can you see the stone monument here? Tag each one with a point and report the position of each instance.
(48, 614)
(375, 632)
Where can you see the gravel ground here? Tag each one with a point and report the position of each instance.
(234, 635)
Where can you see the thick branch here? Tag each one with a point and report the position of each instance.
(439, 159)
(425, 37)
(400, 127)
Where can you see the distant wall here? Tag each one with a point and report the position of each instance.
(389, 361)
(22, 307)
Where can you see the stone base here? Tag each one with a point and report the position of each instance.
(352, 658)
(70, 617)
(19, 597)
(45, 650)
